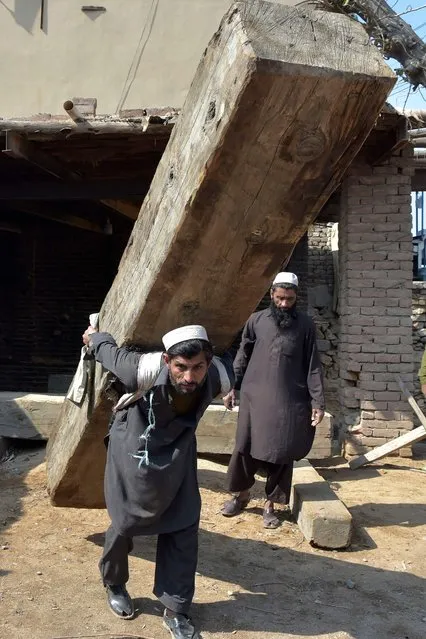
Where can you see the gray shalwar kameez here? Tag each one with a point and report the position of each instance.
(157, 495)
(280, 376)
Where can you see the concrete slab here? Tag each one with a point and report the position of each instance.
(29, 415)
(323, 519)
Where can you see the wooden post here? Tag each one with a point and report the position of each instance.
(74, 113)
(407, 439)
(282, 101)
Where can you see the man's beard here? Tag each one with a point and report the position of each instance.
(283, 317)
(184, 389)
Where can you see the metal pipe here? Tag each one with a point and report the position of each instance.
(74, 113)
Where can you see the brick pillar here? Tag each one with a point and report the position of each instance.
(375, 293)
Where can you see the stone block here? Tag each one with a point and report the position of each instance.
(319, 296)
(321, 516)
(217, 428)
(323, 345)
(405, 452)
(387, 396)
(387, 433)
(29, 415)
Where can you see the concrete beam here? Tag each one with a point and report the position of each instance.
(323, 519)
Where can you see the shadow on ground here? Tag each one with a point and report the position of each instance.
(21, 457)
(292, 591)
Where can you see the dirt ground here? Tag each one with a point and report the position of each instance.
(251, 584)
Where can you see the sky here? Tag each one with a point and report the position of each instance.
(402, 95)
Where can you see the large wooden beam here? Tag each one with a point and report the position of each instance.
(281, 103)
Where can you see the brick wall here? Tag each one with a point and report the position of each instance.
(320, 307)
(54, 276)
(375, 302)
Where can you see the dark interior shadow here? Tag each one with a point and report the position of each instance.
(283, 590)
(215, 481)
(21, 456)
(419, 450)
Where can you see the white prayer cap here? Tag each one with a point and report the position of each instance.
(183, 334)
(286, 278)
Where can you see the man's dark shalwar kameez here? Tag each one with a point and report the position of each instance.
(279, 373)
(159, 496)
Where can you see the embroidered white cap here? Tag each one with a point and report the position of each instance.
(183, 334)
(286, 278)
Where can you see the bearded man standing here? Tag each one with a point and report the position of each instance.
(278, 370)
(151, 485)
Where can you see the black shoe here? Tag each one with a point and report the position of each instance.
(180, 627)
(119, 601)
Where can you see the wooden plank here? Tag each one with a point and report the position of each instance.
(410, 399)
(128, 209)
(73, 190)
(49, 128)
(400, 142)
(20, 148)
(59, 217)
(413, 436)
(274, 116)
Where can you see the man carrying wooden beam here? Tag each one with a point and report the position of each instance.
(282, 399)
(151, 483)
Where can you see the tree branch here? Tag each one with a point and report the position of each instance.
(390, 33)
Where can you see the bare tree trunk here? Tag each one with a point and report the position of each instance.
(390, 33)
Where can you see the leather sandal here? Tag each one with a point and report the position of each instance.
(270, 520)
(234, 506)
